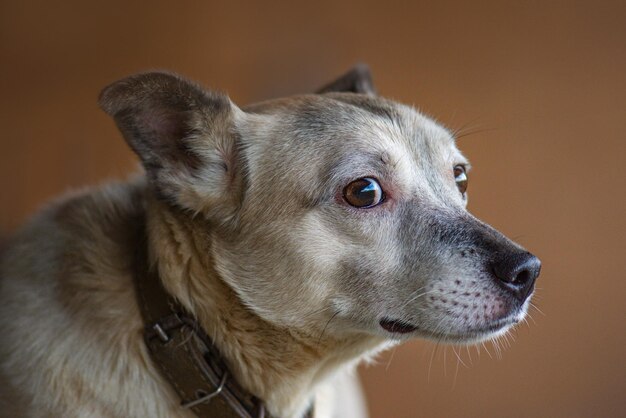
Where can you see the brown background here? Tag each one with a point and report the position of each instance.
(544, 83)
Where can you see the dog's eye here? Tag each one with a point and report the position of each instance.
(460, 176)
(363, 193)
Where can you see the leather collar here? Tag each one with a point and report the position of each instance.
(185, 354)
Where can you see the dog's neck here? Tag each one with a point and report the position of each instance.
(281, 367)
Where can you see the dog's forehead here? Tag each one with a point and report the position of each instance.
(337, 123)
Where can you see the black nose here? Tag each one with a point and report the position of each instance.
(517, 273)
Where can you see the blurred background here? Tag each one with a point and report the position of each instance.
(539, 87)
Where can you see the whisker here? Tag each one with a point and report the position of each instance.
(537, 308)
(474, 132)
(485, 347)
(324, 330)
(316, 312)
(456, 370)
(512, 336)
(526, 322)
(496, 348)
(445, 351)
(468, 128)
(537, 297)
(393, 352)
(432, 356)
(458, 356)
(469, 354)
(414, 298)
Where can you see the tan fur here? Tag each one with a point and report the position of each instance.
(280, 367)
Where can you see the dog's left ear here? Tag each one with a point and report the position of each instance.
(185, 137)
(357, 80)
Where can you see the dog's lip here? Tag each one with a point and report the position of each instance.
(476, 334)
(397, 326)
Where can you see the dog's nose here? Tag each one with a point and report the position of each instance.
(518, 273)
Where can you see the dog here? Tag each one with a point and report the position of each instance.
(298, 236)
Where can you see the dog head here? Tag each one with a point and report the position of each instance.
(339, 212)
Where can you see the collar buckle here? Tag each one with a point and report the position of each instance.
(203, 397)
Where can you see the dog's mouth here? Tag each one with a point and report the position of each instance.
(397, 326)
(475, 335)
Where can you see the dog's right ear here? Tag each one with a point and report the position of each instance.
(185, 137)
(357, 80)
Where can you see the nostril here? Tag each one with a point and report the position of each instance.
(517, 273)
(522, 277)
